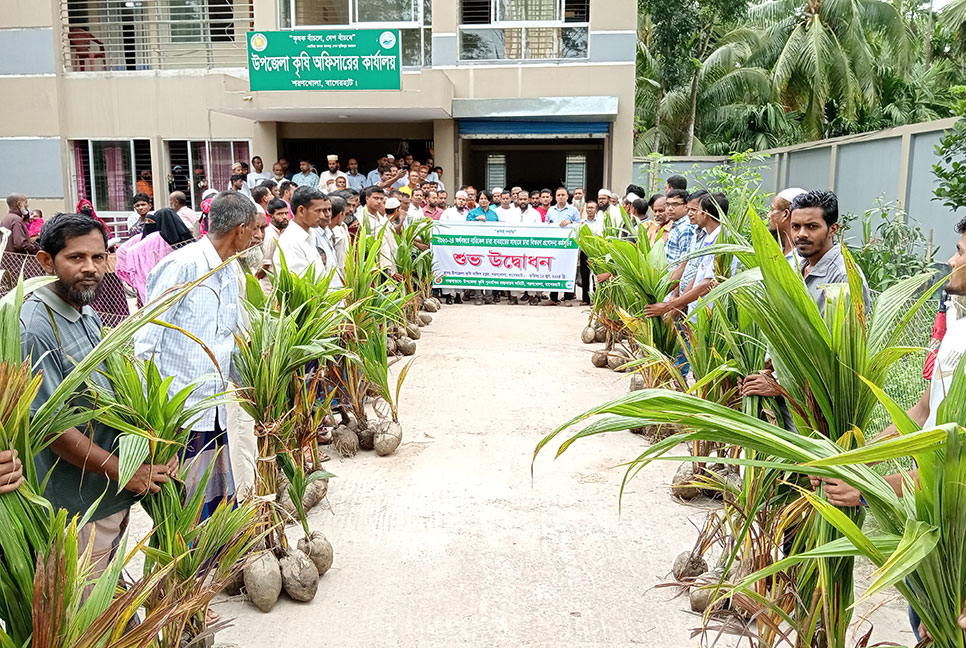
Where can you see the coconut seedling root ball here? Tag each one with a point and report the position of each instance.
(345, 441)
(588, 335)
(391, 346)
(412, 331)
(319, 551)
(616, 360)
(234, 585)
(599, 359)
(701, 597)
(430, 306)
(263, 581)
(637, 382)
(365, 434)
(688, 565)
(300, 577)
(425, 320)
(387, 438)
(406, 346)
(681, 484)
(600, 334)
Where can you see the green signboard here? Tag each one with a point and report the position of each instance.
(324, 59)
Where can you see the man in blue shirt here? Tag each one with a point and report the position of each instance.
(356, 180)
(307, 178)
(561, 213)
(483, 212)
(682, 231)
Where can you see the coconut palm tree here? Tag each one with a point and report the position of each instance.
(821, 52)
(723, 86)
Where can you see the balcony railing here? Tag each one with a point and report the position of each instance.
(119, 35)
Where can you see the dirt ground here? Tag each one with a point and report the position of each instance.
(451, 541)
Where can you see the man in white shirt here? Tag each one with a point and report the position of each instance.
(373, 212)
(327, 178)
(339, 231)
(595, 224)
(390, 246)
(507, 212)
(457, 213)
(278, 174)
(278, 213)
(528, 215)
(297, 242)
(258, 174)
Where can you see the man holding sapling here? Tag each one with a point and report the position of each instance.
(58, 329)
(209, 314)
(813, 224)
(951, 350)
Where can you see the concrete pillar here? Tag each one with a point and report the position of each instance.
(905, 155)
(444, 146)
(159, 172)
(265, 14)
(265, 142)
(622, 147)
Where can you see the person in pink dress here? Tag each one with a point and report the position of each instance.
(35, 223)
(163, 232)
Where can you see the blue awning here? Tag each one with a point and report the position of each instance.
(492, 129)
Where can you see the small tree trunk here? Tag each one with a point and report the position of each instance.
(692, 114)
(657, 119)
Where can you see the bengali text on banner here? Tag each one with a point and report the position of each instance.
(500, 256)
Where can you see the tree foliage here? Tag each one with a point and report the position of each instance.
(950, 171)
(716, 76)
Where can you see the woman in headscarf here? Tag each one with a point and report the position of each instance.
(163, 232)
(84, 206)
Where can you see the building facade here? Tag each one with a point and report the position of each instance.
(529, 92)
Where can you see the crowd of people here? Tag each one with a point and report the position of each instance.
(308, 219)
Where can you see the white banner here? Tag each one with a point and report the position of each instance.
(501, 256)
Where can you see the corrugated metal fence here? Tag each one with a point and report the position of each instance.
(893, 164)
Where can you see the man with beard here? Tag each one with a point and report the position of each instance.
(211, 313)
(58, 329)
(328, 177)
(579, 202)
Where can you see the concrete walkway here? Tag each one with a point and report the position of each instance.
(449, 542)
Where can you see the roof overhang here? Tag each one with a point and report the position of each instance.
(334, 115)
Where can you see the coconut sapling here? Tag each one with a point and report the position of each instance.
(313, 546)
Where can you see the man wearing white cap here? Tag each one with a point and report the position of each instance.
(780, 222)
(327, 178)
(390, 246)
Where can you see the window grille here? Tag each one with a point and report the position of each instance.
(113, 35)
(194, 166)
(495, 170)
(575, 175)
(106, 172)
(413, 19)
(523, 29)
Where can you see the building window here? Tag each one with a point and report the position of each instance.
(575, 173)
(192, 166)
(413, 19)
(106, 172)
(115, 35)
(523, 29)
(495, 170)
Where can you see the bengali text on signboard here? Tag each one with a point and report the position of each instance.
(324, 59)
